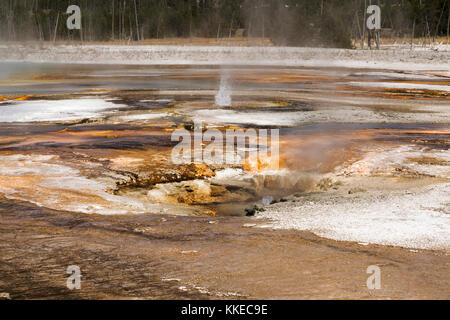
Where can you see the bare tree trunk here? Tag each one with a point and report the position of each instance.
(379, 31)
(218, 32)
(81, 30)
(130, 37)
(190, 24)
(158, 26)
(364, 25)
(122, 24)
(119, 17)
(38, 28)
(448, 25)
(249, 31)
(124, 33)
(9, 21)
(56, 28)
(263, 27)
(359, 26)
(11, 25)
(112, 20)
(412, 35)
(231, 29)
(137, 21)
(428, 34)
(90, 26)
(439, 23)
(37, 20)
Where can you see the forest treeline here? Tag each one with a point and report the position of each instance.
(331, 23)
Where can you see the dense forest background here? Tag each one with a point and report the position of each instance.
(285, 22)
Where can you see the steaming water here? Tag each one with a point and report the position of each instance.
(60, 110)
(223, 97)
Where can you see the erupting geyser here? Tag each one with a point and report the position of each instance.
(223, 97)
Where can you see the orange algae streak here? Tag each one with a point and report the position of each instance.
(12, 98)
(23, 98)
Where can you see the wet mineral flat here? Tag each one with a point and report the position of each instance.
(87, 178)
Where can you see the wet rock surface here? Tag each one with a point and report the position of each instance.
(166, 257)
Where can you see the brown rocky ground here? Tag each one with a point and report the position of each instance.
(167, 257)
